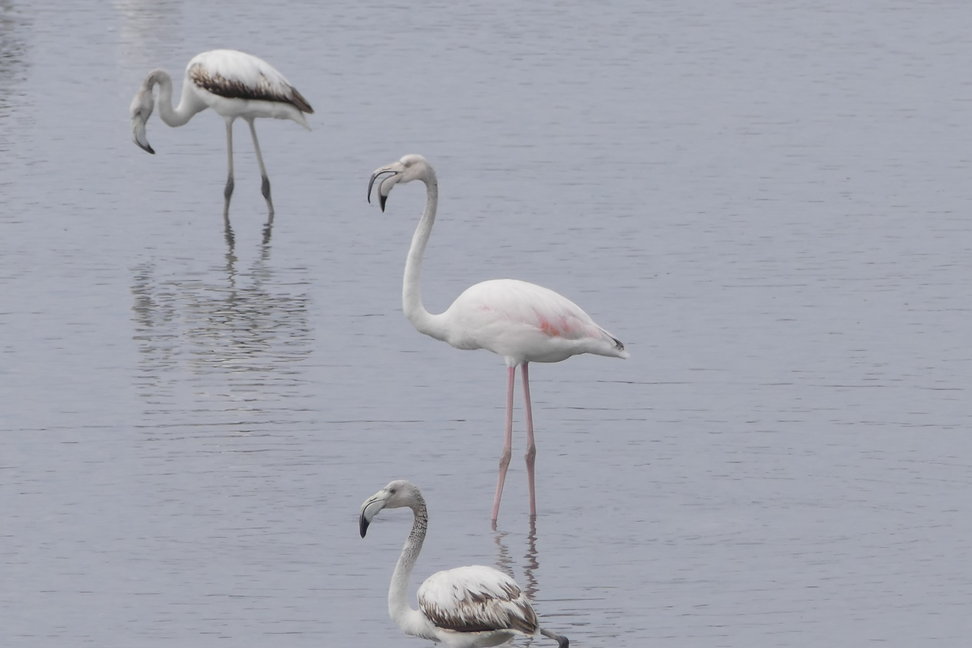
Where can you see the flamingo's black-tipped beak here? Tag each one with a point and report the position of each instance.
(140, 111)
(138, 135)
(385, 186)
(370, 509)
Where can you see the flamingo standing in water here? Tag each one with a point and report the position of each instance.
(232, 83)
(521, 321)
(465, 607)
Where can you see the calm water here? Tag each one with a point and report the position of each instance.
(769, 203)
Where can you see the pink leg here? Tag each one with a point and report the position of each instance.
(504, 461)
(531, 453)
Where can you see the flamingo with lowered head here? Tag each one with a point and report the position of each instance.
(465, 607)
(232, 83)
(521, 321)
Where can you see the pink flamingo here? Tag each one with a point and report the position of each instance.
(521, 321)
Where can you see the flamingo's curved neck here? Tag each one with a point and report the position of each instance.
(422, 319)
(410, 621)
(179, 115)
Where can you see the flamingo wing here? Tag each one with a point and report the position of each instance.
(238, 75)
(476, 599)
(527, 322)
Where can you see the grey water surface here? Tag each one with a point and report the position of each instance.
(769, 203)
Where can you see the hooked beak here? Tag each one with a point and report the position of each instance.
(369, 510)
(140, 111)
(384, 187)
(138, 135)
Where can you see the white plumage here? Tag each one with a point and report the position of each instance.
(476, 597)
(521, 321)
(524, 322)
(234, 84)
(465, 607)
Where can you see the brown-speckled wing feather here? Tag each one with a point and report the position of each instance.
(236, 75)
(476, 599)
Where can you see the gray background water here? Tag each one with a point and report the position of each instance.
(768, 202)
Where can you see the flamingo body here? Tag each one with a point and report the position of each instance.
(524, 322)
(237, 84)
(465, 607)
(521, 321)
(476, 599)
(233, 84)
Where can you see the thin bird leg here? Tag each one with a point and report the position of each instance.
(265, 187)
(228, 191)
(531, 453)
(504, 461)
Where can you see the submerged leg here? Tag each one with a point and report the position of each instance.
(265, 186)
(504, 461)
(228, 191)
(268, 230)
(228, 231)
(531, 452)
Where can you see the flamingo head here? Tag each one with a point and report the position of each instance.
(410, 167)
(396, 494)
(141, 110)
